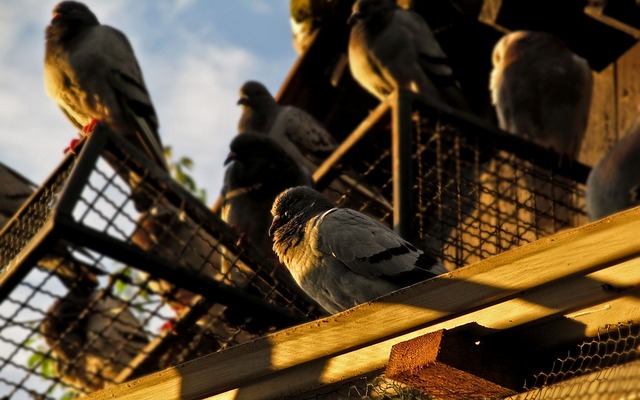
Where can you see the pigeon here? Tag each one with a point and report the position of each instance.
(93, 336)
(339, 256)
(306, 16)
(300, 135)
(613, 184)
(258, 170)
(391, 48)
(541, 90)
(15, 189)
(92, 73)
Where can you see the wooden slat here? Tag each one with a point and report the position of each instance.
(628, 88)
(602, 128)
(520, 286)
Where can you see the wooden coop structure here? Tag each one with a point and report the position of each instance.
(540, 303)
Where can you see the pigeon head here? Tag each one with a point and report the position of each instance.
(72, 14)
(253, 94)
(368, 9)
(294, 207)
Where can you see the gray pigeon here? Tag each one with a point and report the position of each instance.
(295, 130)
(541, 90)
(339, 256)
(391, 48)
(15, 189)
(258, 170)
(92, 73)
(93, 336)
(613, 183)
(300, 135)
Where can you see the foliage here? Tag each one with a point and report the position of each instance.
(180, 171)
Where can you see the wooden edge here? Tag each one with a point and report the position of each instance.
(486, 292)
(446, 364)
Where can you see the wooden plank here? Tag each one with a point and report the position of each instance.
(358, 340)
(447, 365)
(628, 88)
(602, 128)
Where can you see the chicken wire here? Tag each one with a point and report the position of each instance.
(477, 192)
(86, 263)
(604, 367)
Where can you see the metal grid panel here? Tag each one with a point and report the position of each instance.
(475, 191)
(89, 303)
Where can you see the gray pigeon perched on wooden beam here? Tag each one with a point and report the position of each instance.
(391, 48)
(92, 73)
(613, 184)
(340, 257)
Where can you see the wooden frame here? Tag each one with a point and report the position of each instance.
(559, 281)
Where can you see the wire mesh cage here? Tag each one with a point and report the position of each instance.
(97, 289)
(473, 191)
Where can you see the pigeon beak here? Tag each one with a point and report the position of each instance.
(353, 18)
(230, 157)
(56, 18)
(274, 225)
(243, 100)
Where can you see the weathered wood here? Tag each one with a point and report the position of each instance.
(449, 366)
(527, 284)
(602, 128)
(628, 88)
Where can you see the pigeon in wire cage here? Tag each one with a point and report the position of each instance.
(92, 73)
(15, 189)
(93, 336)
(392, 48)
(613, 184)
(542, 92)
(303, 137)
(339, 256)
(258, 169)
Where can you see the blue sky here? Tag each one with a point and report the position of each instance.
(195, 54)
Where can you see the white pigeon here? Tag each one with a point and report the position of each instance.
(614, 184)
(92, 73)
(391, 48)
(339, 256)
(94, 336)
(541, 90)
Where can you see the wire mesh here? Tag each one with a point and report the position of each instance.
(476, 192)
(112, 290)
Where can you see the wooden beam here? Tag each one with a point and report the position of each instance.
(450, 366)
(527, 284)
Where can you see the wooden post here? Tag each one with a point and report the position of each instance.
(402, 166)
